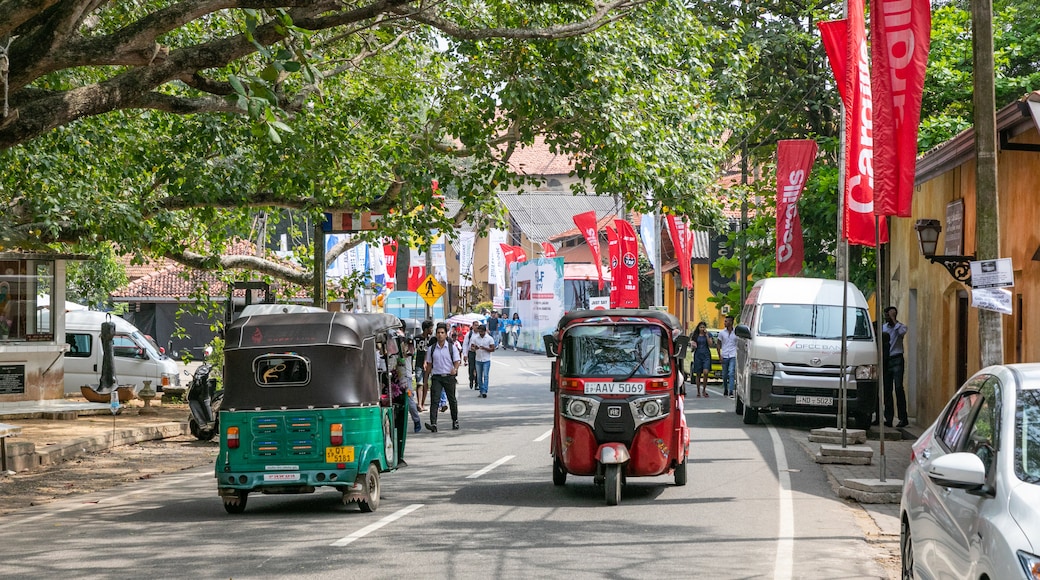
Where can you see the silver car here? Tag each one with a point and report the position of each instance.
(971, 494)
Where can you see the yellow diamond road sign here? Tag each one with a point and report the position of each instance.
(430, 290)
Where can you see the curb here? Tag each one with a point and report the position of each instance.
(24, 456)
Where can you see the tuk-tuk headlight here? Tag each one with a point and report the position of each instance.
(650, 409)
(577, 408)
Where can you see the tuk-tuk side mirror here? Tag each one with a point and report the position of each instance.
(742, 331)
(551, 347)
(681, 342)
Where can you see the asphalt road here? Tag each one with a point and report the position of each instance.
(477, 503)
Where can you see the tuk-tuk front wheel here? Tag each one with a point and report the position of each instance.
(559, 473)
(236, 504)
(370, 494)
(612, 483)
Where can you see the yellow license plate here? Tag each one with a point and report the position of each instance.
(339, 454)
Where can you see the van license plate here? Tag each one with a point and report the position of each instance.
(814, 401)
(339, 454)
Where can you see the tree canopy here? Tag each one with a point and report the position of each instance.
(164, 127)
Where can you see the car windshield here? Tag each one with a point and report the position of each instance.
(812, 321)
(1027, 436)
(618, 351)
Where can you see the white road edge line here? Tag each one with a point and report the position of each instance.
(784, 565)
(373, 527)
(490, 467)
(543, 436)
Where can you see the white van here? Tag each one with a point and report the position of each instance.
(789, 350)
(137, 359)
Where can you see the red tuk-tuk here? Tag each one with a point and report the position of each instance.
(618, 409)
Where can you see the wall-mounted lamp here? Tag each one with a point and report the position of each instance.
(928, 236)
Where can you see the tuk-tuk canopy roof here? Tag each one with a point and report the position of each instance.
(307, 328)
(620, 315)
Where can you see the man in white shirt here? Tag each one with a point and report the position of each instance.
(482, 344)
(727, 347)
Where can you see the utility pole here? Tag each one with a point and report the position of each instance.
(319, 265)
(987, 214)
(743, 223)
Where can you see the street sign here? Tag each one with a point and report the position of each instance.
(430, 289)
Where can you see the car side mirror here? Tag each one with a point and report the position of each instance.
(742, 331)
(551, 346)
(958, 470)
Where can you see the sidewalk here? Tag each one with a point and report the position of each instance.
(51, 432)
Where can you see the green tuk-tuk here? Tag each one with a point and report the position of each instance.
(307, 404)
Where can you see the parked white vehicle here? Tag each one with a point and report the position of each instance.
(789, 350)
(971, 494)
(136, 358)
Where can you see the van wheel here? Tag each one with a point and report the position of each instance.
(750, 415)
(370, 495)
(738, 405)
(863, 420)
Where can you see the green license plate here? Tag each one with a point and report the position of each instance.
(339, 454)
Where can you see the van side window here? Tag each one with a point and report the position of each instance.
(79, 345)
(125, 347)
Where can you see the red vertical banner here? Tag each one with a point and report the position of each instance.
(682, 241)
(390, 255)
(794, 161)
(588, 227)
(519, 254)
(509, 254)
(846, 44)
(548, 251)
(614, 259)
(899, 42)
(628, 281)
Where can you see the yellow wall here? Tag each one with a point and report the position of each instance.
(932, 356)
(697, 306)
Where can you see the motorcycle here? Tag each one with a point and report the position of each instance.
(204, 403)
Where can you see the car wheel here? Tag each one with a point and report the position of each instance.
(906, 552)
(370, 496)
(236, 504)
(559, 473)
(680, 474)
(750, 415)
(612, 484)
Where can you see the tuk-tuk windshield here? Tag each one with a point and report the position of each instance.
(619, 351)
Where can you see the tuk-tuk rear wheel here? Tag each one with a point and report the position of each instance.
(370, 495)
(236, 504)
(680, 474)
(559, 473)
(612, 483)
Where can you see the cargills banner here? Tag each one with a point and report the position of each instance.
(538, 298)
(794, 161)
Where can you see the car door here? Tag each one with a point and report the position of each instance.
(932, 537)
(961, 546)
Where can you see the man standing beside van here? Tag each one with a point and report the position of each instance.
(894, 365)
(727, 348)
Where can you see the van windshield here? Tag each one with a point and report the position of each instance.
(629, 350)
(813, 321)
(150, 347)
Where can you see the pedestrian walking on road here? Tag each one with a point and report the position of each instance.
(514, 330)
(442, 364)
(482, 346)
(495, 327)
(471, 357)
(894, 365)
(727, 349)
(423, 379)
(703, 344)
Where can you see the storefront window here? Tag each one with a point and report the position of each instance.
(26, 309)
